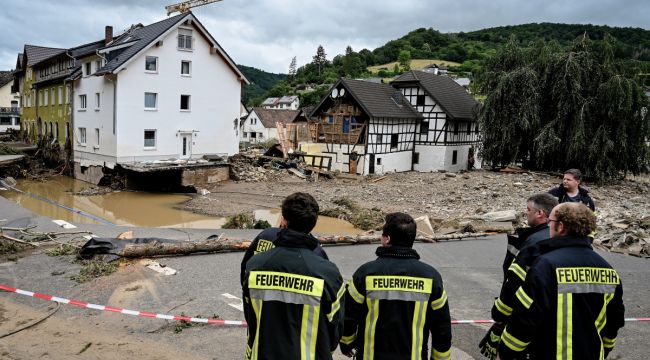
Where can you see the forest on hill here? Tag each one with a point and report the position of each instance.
(630, 48)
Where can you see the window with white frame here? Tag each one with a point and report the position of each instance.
(88, 68)
(46, 97)
(97, 101)
(53, 97)
(82, 135)
(82, 102)
(185, 39)
(67, 94)
(60, 95)
(97, 136)
(186, 68)
(150, 101)
(185, 102)
(98, 65)
(150, 138)
(151, 64)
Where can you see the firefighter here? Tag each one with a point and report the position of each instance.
(394, 302)
(570, 304)
(538, 208)
(292, 297)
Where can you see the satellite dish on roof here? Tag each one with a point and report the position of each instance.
(335, 93)
(341, 92)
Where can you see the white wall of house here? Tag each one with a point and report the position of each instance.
(92, 152)
(392, 162)
(214, 91)
(253, 125)
(209, 126)
(431, 158)
(7, 101)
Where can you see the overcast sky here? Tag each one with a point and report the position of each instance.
(267, 33)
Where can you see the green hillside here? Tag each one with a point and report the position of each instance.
(260, 82)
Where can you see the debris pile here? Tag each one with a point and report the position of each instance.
(250, 168)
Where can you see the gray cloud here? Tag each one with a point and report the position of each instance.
(268, 33)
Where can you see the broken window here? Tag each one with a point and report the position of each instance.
(424, 127)
(393, 141)
(454, 157)
(420, 100)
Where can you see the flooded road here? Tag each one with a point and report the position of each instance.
(134, 208)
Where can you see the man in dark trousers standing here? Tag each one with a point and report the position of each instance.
(571, 303)
(292, 297)
(395, 302)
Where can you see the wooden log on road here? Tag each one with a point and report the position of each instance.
(224, 244)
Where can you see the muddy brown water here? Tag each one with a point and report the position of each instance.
(140, 209)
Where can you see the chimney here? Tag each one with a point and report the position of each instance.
(108, 34)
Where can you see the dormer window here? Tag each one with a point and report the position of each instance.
(185, 39)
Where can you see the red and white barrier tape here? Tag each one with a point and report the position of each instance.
(83, 304)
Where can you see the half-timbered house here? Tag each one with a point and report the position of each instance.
(421, 122)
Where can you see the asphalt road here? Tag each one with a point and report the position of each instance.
(207, 285)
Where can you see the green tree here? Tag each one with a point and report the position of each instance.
(320, 59)
(292, 68)
(404, 59)
(555, 109)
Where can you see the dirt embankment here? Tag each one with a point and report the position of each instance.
(623, 209)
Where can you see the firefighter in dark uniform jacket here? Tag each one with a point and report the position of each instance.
(394, 302)
(571, 303)
(538, 208)
(265, 241)
(293, 298)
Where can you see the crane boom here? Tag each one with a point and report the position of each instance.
(185, 6)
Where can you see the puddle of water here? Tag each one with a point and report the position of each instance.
(136, 208)
(324, 225)
(122, 208)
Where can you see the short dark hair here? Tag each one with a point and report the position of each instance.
(401, 228)
(543, 201)
(300, 210)
(577, 218)
(577, 174)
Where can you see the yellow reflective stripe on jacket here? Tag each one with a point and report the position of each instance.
(512, 342)
(525, 300)
(609, 343)
(336, 305)
(399, 283)
(352, 290)
(502, 307)
(437, 355)
(564, 347)
(587, 275)
(371, 323)
(440, 302)
(417, 331)
(300, 284)
(257, 308)
(309, 332)
(601, 320)
(518, 270)
(347, 340)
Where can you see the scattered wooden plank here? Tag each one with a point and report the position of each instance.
(297, 173)
(378, 179)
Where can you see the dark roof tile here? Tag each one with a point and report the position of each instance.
(36, 54)
(453, 98)
(379, 100)
(269, 117)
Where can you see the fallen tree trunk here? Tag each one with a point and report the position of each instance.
(223, 244)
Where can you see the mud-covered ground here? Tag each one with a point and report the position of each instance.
(623, 208)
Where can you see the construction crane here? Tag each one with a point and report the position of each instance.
(185, 6)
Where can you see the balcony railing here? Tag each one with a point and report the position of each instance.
(10, 110)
